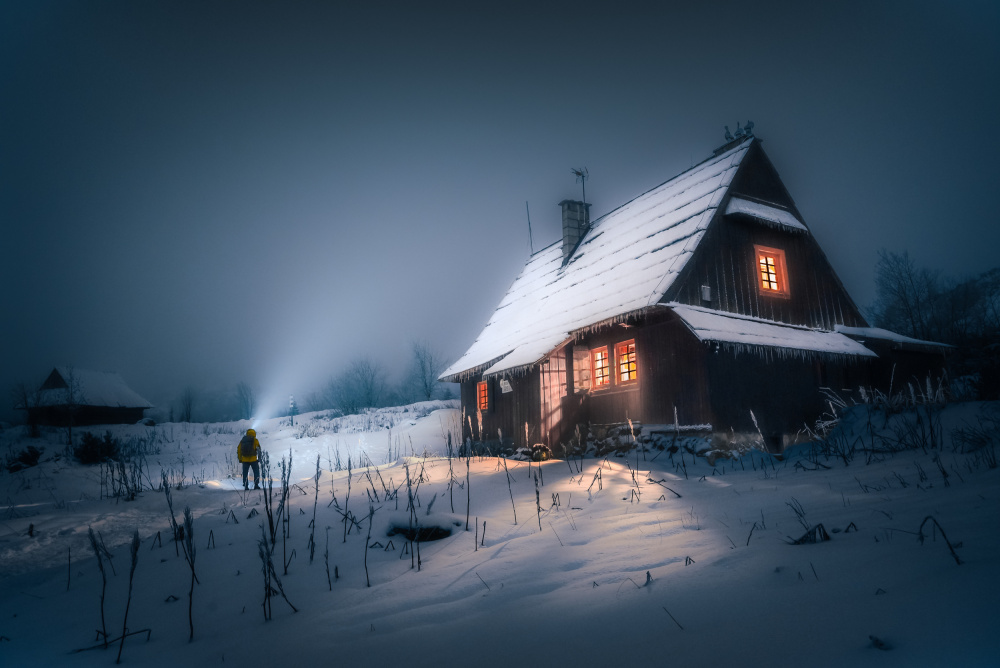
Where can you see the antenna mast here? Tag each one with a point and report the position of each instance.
(582, 175)
(531, 244)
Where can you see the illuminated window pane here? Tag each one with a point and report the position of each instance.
(773, 274)
(768, 273)
(481, 392)
(625, 354)
(602, 368)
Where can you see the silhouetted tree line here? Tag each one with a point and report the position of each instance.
(365, 383)
(919, 302)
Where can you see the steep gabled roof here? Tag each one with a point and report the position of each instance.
(92, 388)
(624, 264)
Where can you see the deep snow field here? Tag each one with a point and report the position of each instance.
(647, 560)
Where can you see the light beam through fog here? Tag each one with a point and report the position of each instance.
(199, 195)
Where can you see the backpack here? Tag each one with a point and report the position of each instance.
(247, 449)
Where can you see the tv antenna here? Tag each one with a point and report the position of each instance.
(531, 244)
(581, 176)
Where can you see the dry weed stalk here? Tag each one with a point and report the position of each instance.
(104, 581)
(128, 602)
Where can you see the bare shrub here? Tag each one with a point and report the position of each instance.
(246, 400)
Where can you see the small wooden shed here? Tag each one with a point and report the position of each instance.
(86, 398)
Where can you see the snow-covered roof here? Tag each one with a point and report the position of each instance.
(746, 332)
(95, 388)
(765, 213)
(624, 264)
(886, 335)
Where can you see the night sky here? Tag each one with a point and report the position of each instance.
(198, 194)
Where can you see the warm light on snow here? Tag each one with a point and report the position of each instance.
(690, 567)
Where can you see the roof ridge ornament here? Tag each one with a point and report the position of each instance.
(735, 138)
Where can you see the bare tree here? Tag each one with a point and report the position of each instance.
(333, 397)
(24, 397)
(370, 378)
(187, 401)
(361, 385)
(72, 398)
(988, 307)
(427, 366)
(318, 400)
(904, 295)
(246, 400)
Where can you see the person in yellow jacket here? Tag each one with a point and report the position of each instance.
(247, 452)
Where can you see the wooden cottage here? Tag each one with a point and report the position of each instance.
(704, 304)
(86, 398)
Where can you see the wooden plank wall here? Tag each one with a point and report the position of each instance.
(784, 394)
(671, 373)
(507, 412)
(84, 416)
(726, 262)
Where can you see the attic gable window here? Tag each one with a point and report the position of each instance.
(772, 275)
(483, 397)
(602, 367)
(625, 356)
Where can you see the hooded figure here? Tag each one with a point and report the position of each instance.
(247, 452)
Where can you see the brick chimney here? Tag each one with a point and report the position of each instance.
(575, 223)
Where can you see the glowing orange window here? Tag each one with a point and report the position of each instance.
(602, 367)
(771, 271)
(483, 396)
(625, 356)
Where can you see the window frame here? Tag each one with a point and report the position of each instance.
(634, 363)
(595, 378)
(582, 369)
(780, 271)
(483, 396)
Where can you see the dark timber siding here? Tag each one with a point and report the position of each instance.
(84, 416)
(726, 262)
(758, 179)
(896, 367)
(507, 413)
(670, 367)
(784, 394)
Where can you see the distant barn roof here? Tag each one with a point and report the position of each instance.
(625, 263)
(96, 388)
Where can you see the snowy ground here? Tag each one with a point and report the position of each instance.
(622, 570)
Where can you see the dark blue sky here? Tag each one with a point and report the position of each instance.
(205, 193)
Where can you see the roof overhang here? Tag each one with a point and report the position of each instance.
(745, 334)
(894, 340)
(450, 375)
(765, 213)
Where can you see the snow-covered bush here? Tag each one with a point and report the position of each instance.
(534, 453)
